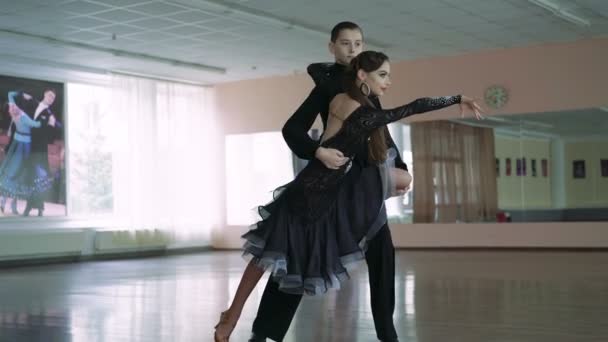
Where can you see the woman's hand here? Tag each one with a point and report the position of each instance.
(331, 158)
(467, 103)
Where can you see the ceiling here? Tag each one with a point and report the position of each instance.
(213, 41)
(585, 123)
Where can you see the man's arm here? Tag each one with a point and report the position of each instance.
(319, 72)
(295, 130)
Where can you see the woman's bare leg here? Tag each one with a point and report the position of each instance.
(230, 317)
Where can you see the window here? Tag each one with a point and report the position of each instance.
(89, 150)
(400, 209)
(256, 164)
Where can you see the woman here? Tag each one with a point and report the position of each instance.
(17, 178)
(306, 237)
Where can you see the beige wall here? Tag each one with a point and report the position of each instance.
(523, 192)
(527, 192)
(539, 78)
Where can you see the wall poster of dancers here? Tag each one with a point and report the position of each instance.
(32, 148)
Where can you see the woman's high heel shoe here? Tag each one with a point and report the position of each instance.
(223, 329)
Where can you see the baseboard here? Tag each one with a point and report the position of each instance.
(65, 259)
(146, 253)
(39, 261)
(188, 250)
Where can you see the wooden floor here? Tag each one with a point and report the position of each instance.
(468, 296)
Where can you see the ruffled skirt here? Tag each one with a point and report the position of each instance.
(310, 255)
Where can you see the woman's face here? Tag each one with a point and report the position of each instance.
(378, 80)
(12, 109)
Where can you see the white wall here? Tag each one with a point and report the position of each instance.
(58, 237)
(32, 244)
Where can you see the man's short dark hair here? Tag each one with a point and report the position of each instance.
(345, 25)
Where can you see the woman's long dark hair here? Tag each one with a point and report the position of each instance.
(367, 61)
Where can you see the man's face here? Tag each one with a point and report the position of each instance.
(347, 46)
(49, 98)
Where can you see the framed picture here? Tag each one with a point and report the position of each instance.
(604, 167)
(533, 167)
(508, 167)
(497, 167)
(33, 179)
(544, 165)
(578, 169)
(518, 167)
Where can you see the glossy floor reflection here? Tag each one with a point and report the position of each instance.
(468, 296)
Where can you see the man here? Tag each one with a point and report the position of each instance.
(277, 309)
(41, 112)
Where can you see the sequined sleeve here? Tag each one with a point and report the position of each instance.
(371, 118)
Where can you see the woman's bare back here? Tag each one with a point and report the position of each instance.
(340, 108)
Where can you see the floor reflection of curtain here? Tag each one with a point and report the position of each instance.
(455, 172)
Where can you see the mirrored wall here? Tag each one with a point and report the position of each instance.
(537, 167)
(550, 166)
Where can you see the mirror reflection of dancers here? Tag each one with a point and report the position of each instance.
(304, 237)
(16, 178)
(38, 165)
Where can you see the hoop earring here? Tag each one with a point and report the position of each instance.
(367, 90)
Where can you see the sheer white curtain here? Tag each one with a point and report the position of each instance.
(399, 208)
(268, 164)
(166, 148)
(89, 149)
